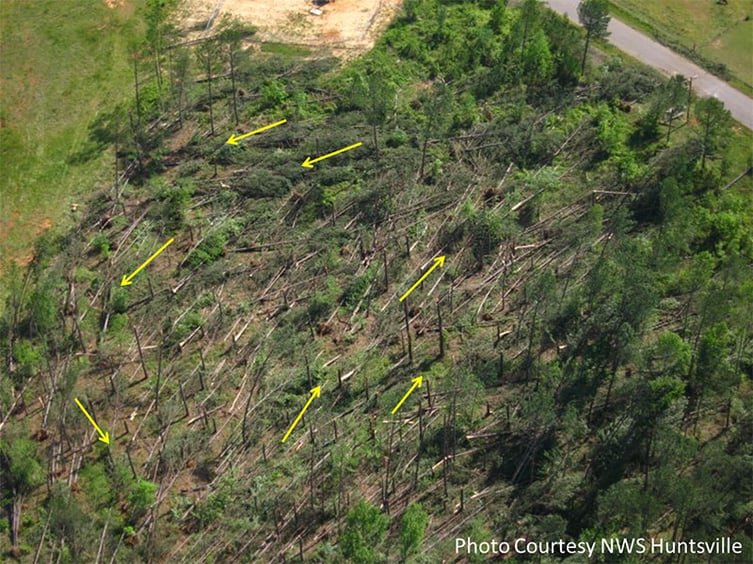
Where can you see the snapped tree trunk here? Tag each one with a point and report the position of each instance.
(407, 332)
(376, 141)
(235, 89)
(136, 85)
(423, 157)
(585, 54)
(209, 89)
(441, 332)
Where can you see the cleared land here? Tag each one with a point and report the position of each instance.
(61, 63)
(722, 34)
(345, 26)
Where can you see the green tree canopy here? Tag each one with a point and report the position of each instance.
(364, 532)
(413, 529)
(594, 16)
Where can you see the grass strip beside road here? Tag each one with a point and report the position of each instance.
(718, 38)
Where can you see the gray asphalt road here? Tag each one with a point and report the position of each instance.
(665, 60)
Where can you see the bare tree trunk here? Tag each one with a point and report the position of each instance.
(386, 273)
(441, 332)
(407, 332)
(159, 377)
(423, 157)
(209, 89)
(585, 53)
(376, 142)
(235, 89)
(420, 441)
(102, 541)
(141, 353)
(136, 85)
(42, 538)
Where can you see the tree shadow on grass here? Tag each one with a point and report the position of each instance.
(104, 130)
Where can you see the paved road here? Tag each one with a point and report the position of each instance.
(665, 60)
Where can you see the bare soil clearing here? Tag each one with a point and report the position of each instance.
(345, 25)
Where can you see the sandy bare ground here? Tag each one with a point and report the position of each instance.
(345, 25)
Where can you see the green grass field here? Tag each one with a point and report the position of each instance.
(735, 49)
(719, 33)
(61, 63)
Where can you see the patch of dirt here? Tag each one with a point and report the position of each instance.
(19, 223)
(345, 26)
(112, 4)
(6, 225)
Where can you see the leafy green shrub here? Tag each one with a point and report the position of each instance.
(335, 175)
(29, 359)
(320, 306)
(357, 288)
(21, 470)
(623, 82)
(46, 247)
(211, 509)
(149, 96)
(273, 94)
(376, 205)
(44, 318)
(85, 276)
(226, 155)
(190, 168)
(227, 198)
(142, 495)
(101, 244)
(397, 138)
(117, 323)
(486, 232)
(67, 520)
(484, 229)
(364, 531)
(119, 300)
(208, 251)
(263, 184)
(324, 301)
(187, 323)
(413, 527)
(172, 201)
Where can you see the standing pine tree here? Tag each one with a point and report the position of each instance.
(376, 94)
(594, 16)
(207, 54)
(715, 125)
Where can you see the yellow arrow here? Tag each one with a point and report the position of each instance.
(309, 162)
(416, 384)
(234, 140)
(315, 393)
(104, 437)
(126, 281)
(438, 261)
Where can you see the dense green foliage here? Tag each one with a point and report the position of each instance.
(590, 375)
